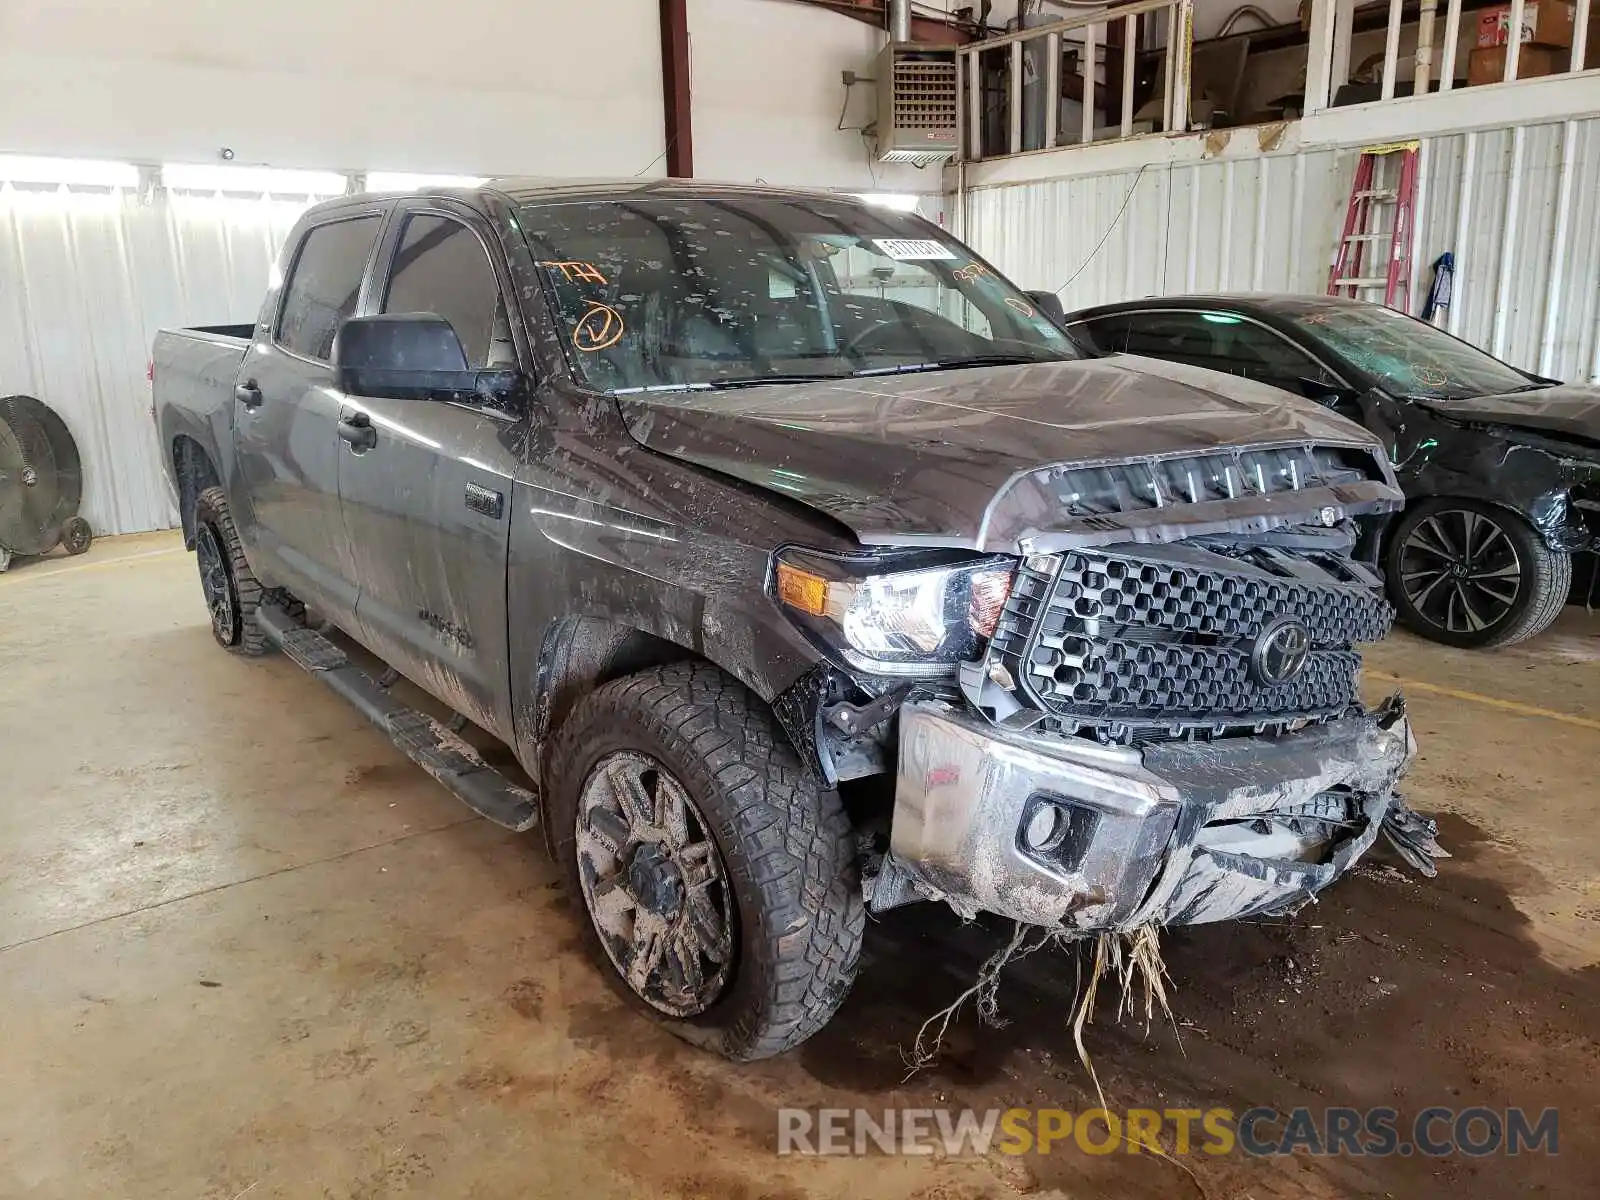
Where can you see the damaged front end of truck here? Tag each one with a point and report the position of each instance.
(1155, 718)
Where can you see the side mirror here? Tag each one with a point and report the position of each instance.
(410, 356)
(1049, 304)
(1332, 394)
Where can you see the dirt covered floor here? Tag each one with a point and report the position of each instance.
(247, 950)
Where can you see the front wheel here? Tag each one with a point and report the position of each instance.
(717, 880)
(1472, 574)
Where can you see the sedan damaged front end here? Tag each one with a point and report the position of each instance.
(1155, 715)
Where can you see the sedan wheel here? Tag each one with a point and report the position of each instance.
(1473, 574)
(1460, 570)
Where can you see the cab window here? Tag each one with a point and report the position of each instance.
(441, 268)
(324, 285)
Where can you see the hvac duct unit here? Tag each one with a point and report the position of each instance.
(919, 110)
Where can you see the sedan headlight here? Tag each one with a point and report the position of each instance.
(920, 620)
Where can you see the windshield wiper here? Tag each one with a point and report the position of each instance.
(744, 381)
(1446, 398)
(966, 360)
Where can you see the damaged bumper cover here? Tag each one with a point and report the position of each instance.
(1062, 831)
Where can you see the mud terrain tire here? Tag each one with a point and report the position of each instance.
(232, 591)
(786, 850)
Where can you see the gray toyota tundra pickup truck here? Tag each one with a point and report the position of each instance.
(807, 568)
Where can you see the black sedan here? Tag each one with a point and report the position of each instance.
(1501, 468)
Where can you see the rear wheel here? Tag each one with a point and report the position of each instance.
(232, 593)
(1472, 574)
(717, 881)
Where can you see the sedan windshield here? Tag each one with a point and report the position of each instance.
(733, 292)
(1409, 357)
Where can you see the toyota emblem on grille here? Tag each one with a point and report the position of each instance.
(1280, 652)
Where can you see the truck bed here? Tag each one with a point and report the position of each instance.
(192, 376)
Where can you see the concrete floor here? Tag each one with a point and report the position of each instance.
(247, 949)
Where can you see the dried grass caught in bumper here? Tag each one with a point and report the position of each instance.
(1131, 958)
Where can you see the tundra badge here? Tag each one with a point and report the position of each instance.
(481, 499)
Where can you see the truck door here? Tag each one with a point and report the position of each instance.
(427, 503)
(286, 416)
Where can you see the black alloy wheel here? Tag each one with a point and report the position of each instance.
(655, 884)
(216, 583)
(1472, 574)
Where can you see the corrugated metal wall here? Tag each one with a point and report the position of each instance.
(1520, 208)
(1527, 283)
(86, 278)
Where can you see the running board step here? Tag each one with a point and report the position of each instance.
(427, 742)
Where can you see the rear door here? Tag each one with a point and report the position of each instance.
(286, 413)
(427, 507)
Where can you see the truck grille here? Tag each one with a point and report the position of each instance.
(1157, 641)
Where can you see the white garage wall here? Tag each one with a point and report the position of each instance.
(89, 276)
(481, 87)
(768, 94)
(474, 86)
(1519, 206)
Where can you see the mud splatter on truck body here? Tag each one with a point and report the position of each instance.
(1090, 627)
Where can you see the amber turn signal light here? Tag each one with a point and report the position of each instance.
(802, 590)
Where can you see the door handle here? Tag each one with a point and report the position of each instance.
(248, 394)
(357, 430)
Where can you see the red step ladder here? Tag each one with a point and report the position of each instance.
(1376, 201)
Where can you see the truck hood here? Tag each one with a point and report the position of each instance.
(938, 457)
(1572, 409)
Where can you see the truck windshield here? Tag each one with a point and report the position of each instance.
(740, 291)
(1409, 357)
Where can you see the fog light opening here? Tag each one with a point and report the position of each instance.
(1056, 832)
(1043, 828)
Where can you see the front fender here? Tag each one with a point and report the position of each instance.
(594, 592)
(1530, 475)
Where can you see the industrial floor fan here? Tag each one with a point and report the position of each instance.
(41, 482)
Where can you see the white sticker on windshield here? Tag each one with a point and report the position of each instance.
(913, 249)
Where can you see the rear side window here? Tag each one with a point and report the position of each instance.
(441, 268)
(1225, 342)
(324, 284)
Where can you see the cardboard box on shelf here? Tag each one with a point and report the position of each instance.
(1544, 23)
(1488, 64)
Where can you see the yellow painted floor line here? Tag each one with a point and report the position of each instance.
(1526, 710)
(25, 575)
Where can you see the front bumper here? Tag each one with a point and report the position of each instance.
(1060, 831)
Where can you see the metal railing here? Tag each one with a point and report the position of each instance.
(1050, 85)
(1443, 44)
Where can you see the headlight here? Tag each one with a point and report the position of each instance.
(918, 621)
